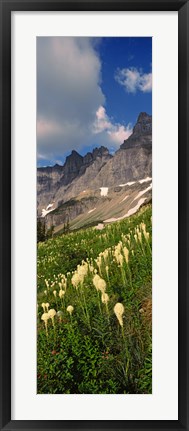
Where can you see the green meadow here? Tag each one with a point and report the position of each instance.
(94, 301)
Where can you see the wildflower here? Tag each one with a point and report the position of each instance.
(96, 278)
(107, 270)
(91, 268)
(45, 292)
(54, 293)
(61, 293)
(126, 254)
(105, 298)
(47, 306)
(143, 227)
(51, 315)
(45, 318)
(47, 283)
(118, 256)
(99, 262)
(82, 271)
(140, 236)
(43, 305)
(75, 280)
(119, 310)
(105, 254)
(63, 282)
(99, 283)
(70, 309)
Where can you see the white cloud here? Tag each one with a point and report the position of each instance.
(68, 93)
(115, 133)
(70, 101)
(133, 80)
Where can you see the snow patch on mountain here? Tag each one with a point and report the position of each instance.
(127, 184)
(103, 191)
(143, 192)
(90, 211)
(145, 180)
(129, 213)
(124, 199)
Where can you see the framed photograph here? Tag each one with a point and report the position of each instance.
(94, 110)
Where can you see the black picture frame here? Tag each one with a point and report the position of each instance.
(6, 7)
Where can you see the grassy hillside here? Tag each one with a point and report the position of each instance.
(98, 338)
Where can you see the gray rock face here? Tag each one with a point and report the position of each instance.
(133, 161)
(58, 183)
(142, 132)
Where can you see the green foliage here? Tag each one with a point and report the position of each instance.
(88, 350)
(42, 232)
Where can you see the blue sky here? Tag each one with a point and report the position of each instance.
(89, 93)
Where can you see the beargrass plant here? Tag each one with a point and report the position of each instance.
(94, 310)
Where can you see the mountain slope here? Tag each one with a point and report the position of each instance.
(94, 187)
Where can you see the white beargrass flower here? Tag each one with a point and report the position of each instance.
(119, 310)
(105, 298)
(47, 283)
(45, 292)
(54, 293)
(61, 293)
(43, 306)
(70, 309)
(143, 227)
(91, 268)
(52, 314)
(105, 254)
(75, 280)
(45, 318)
(96, 279)
(147, 236)
(126, 254)
(99, 283)
(47, 306)
(118, 256)
(140, 236)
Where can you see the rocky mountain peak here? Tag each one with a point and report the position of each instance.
(143, 125)
(73, 161)
(100, 151)
(97, 152)
(142, 132)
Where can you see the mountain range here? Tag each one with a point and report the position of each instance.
(99, 187)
